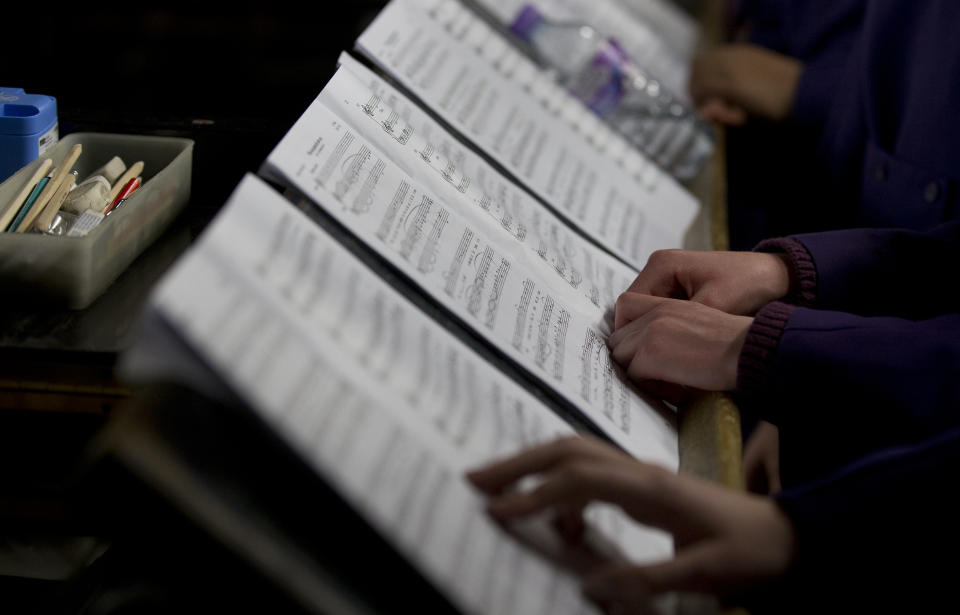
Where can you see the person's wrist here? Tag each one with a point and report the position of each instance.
(781, 280)
(788, 73)
(801, 270)
(771, 281)
(732, 362)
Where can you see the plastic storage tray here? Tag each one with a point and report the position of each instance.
(73, 271)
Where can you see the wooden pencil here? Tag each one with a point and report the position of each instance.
(45, 219)
(51, 188)
(135, 169)
(14, 206)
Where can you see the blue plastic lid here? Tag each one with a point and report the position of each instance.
(25, 114)
(527, 19)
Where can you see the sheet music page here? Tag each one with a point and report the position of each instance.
(508, 296)
(383, 402)
(425, 150)
(472, 77)
(660, 38)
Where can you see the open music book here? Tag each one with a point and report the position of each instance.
(412, 302)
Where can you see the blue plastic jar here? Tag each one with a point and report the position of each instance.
(28, 128)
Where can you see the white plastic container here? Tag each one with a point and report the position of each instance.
(73, 271)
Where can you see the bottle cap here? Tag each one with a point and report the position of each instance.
(25, 114)
(527, 19)
(28, 128)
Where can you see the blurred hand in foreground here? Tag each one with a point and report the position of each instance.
(726, 541)
(732, 82)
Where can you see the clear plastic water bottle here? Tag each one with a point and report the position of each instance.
(598, 71)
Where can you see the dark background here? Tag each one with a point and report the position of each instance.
(234, 77)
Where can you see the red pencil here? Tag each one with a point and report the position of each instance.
(128, 188)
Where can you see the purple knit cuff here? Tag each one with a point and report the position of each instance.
(757, 363)
(803, 271)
